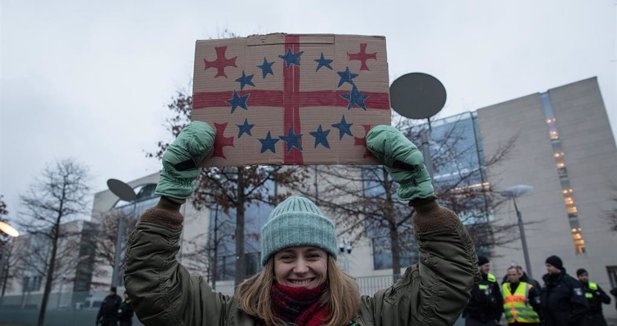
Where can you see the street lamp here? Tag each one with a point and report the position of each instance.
(8, 230)
(345, 248)
(513, 193)
(124, 192)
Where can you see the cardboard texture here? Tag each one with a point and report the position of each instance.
(291, 99)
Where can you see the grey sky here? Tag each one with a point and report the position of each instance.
(91, 79)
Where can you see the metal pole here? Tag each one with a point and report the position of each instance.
(60, 292)
(115, 278)
(521, 229)
(426, 148)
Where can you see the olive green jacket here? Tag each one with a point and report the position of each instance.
(432, 292)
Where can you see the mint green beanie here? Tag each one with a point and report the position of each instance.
(296, 222)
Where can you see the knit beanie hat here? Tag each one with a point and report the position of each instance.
(482, 260)
(297, 222)
(555, 261)
(581, 271)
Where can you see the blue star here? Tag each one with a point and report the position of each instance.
(321, 137)
(292, 140)
(245, 80)
(291, 58)
(245, 128)
(323, 62)
(266, 68)
(267, 144)
(343, 128)
(346, 77)
(355, 97)
(238, 101)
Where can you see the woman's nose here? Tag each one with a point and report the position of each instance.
(301, 266)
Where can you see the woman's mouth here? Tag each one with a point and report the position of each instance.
(303, 282)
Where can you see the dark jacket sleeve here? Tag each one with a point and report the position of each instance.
(434, 291)
(602, 296)
(498, 307)
(160, 288)
(98, 315)
(577, 299)
(534, 300)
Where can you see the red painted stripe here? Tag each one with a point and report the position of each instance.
(378, 101)
(219, 99)
(204, 100)
(291, 89)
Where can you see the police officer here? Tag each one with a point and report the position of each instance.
(521, 300)
(595, 298)
(108, 312)
(562, 299)
(486, 304)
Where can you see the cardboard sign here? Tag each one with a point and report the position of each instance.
(291, 99)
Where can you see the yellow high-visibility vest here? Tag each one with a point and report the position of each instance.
(593, 287)
(516, 306)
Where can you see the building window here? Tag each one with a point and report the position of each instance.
(562, 172)
(612, 275)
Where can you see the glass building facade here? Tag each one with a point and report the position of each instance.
(457, 161)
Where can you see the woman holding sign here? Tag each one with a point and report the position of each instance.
(300, 283)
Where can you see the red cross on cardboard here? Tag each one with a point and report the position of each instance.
(291, 99)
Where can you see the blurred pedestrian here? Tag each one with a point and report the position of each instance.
(108, 312)
(486, 304)
(521, 300)
(562, 299)
(595, 298)
(125, 313)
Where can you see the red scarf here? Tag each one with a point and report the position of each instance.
(299, 305)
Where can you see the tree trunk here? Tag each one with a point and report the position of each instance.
(240, 257)
(50, 272)
(214, 269)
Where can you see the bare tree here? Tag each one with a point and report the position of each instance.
(7, 258)
(58, 196)
(363, 198)
(206, 257)
(107, 236)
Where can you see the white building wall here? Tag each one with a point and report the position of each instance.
(591, 159)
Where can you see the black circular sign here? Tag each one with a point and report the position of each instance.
(417, 95)
(121, 189)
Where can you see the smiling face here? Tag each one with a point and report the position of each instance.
(301, 267)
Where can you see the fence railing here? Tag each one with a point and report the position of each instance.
(80, 308)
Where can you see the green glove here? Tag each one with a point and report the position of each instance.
(403, 160)
(182, 158)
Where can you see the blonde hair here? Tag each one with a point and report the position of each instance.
(341, 296)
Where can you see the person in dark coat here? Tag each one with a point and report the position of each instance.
(108, 312)
(595, 298)
(125, 313)
(486, 304)
(562, 299)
